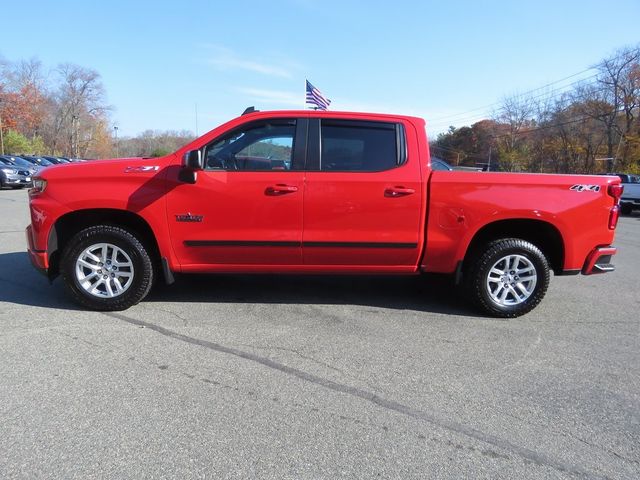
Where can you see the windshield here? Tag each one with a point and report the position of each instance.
(21, 162)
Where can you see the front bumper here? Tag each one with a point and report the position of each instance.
(39, 258)
(599, 261)
(18, 180)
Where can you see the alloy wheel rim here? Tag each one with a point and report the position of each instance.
(104, 270)
(511, 280)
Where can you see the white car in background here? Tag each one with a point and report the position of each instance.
(630, 199)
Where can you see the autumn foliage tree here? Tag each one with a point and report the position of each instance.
(592, 128)
(65, 112)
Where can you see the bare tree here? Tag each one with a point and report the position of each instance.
(79, 103)
(154, 143)
(516, 114)
(614, 94)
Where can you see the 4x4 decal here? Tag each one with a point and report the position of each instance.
(580, 187)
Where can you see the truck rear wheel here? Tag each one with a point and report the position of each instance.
(106, 268)
(508, 278)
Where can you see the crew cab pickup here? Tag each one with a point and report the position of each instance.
(316, 192)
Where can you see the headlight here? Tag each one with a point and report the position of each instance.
(9, 170)
(39, 184)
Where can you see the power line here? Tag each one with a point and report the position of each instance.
(457, 152)
(485, 107)
(475, 118)
(554, 125)
(522, 133)
(439, 120)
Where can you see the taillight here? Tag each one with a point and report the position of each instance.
(613, 217)
(615, 191)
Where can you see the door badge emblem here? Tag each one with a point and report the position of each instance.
(189, 218)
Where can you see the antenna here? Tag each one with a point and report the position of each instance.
(249, 110)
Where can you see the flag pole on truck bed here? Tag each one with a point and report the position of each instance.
(315, 97)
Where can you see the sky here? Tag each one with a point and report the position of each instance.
(450, 62)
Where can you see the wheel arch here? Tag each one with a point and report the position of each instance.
(540, 233)
(71, 223)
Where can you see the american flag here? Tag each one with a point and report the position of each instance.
(315, 97)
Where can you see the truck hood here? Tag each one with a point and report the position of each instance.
(106, 168)
(123, 184)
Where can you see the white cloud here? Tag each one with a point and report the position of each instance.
(226, 59)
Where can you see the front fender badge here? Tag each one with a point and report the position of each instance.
(142, 169)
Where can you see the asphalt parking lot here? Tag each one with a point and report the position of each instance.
(317, 377)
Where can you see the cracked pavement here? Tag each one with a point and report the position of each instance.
(317, 377)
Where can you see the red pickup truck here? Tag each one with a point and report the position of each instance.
(316, 192)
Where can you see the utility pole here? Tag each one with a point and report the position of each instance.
(1, 134)
(75, 132)
(115, 129)
(489, 162)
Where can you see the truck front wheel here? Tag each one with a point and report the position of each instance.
(106, 268)
(508, 278)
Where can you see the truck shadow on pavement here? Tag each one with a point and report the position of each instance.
(21, 284)
(435, 294)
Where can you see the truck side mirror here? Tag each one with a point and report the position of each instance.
(191, 163)
(192, 160)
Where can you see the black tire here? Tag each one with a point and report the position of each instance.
(481, 264)
(142, 267)
(626, 208)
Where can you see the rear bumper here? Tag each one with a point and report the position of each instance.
(599, 261)
(39, 258)
(631, 201)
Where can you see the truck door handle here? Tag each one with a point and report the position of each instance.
(280, 189)
(398, 192)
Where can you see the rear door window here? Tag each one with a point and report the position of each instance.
(354, 146)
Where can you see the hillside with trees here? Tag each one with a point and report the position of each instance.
(64, 111)
(593, 127)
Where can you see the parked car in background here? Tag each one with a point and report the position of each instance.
(630, 199)
(626, 177)
(21, 163)
(12, 175)
(39, 161)
(55, 160)
(439, 164)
